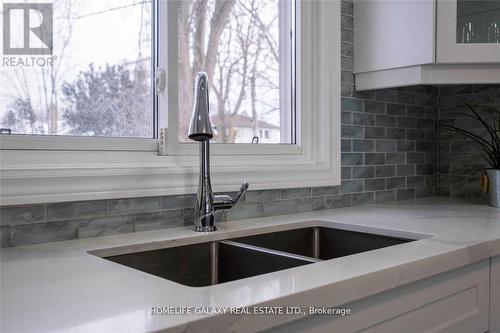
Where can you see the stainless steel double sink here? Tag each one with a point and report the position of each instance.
(210, 263)
(215, 262)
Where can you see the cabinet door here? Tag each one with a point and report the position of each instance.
(453, 302)
(468, 31)
(495, 295)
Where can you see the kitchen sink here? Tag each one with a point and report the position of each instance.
(210, 263)
(321, 242)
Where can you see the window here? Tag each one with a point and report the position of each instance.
(246, 48)
(95, 82)
(91, 156)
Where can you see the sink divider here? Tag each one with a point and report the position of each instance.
(214, 255)
(316, 240)
(214, 263)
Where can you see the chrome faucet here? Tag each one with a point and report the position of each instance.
(200, 129)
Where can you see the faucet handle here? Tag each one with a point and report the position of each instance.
(241, 192)
(226, 202)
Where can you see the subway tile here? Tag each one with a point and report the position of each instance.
(385, 146)
(424, 192)
(404, 145)
(425, 146)
(428, 100)
(70, 210)
(385, 120)
(188, 214)
(375, 158)
(120, 206)
(347, 22)
(5, 236)
(363, 145)
(426, 123)
(101, 226)
(365, 94)
(486, 88)
(311, 204)
(361, 118)
(346, 77)
(178, 201)
(293, 193)
(262, 195)
(415, 181)
(396, 109)
(346, 35)
(351, 158)
(351, 132)
(347, 64)
(351, 104)
(280, 207)
(425, 169)
(346, 90)
(345, 173)
(34, 233)
(347, 8)
(325, 190)
(375, 184)
(404, 97)
(346, 146)
(346, 118)
(386, 95)
(415, 158)
(338, 201)
(374, 133)
(158, 220)
(375, 107)
(395, 133)
(363, 172)
(455, 90)
(414, 134)
(363, 198)
(14, 215)
(385, 171)
(406, 122)
(405, 194)
(387, 195)
(395, 158)
(415, 111)
(395, 182)
(346, 49)
(350, 186)
(245, 210)
(405, 170)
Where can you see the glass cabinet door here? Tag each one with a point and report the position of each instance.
(478, 21)
(468, 31)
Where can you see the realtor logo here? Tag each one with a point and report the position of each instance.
(27, 28)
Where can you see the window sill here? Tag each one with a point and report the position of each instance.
(38, 179)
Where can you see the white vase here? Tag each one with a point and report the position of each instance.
(494, 190)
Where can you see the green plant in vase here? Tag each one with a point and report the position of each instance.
(487, 117)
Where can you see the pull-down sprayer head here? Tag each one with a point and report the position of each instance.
(200, 128)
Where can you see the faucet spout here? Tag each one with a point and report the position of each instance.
(200, 129)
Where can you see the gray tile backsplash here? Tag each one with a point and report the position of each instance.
(389, 152)
(25, 234)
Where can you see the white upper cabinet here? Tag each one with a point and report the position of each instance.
(399, 43)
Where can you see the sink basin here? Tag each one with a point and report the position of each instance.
(210, 263)
(321, 242)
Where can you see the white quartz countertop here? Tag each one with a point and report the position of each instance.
(60, 287)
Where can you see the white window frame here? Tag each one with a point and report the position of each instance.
(72, 168)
